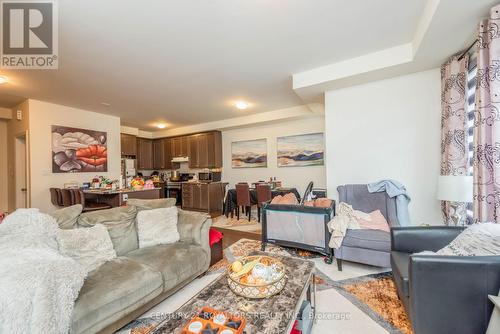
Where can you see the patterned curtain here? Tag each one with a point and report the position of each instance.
(454, 146)
(487, 122)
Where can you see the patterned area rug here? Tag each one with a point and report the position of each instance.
(223, 221)
(374, 294)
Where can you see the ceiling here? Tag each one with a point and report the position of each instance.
(185, 62)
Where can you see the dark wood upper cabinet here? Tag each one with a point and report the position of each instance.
(159, 154)
(145, 153)
(193, 151)
(128, 145)
(167, 151)
(179, 146)
(205, 150)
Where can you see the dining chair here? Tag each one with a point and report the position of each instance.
(264, 195)
(243, 199)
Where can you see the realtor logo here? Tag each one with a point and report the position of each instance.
(29, 35)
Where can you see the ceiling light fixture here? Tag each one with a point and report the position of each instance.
(242, 105)
(3, 80)
(161, 126)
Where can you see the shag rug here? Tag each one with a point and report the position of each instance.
(374, 294)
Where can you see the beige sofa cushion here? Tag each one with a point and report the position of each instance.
(157, 227)
(91, 247)
(177, 262)
(147, 204)
(120, 223)
(113, 290)
(67, 217)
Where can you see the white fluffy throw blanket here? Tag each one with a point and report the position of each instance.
(38, 286)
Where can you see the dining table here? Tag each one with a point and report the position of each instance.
(230, 203)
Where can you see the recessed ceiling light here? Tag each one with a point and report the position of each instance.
(242, 105)
(3, 80)
(106, 104)
(161, 126)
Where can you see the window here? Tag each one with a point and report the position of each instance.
(471, 104)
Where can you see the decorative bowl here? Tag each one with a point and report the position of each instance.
(255, 290)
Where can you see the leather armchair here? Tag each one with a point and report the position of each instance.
(442, 294)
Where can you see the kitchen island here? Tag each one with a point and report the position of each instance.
(204, 197)
(119, 197)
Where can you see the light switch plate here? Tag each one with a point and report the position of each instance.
(19, 115)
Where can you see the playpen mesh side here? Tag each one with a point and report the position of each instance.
(301, 227)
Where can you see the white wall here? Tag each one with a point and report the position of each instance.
(388, 129)
(297, 177)
(42, 116)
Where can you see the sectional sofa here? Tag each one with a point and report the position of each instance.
(139, 278)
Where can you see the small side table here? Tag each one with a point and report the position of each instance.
(494, 326)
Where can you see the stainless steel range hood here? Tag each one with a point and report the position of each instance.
(180, 159)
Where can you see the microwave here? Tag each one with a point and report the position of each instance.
(209, 176)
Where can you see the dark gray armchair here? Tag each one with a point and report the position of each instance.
(367, 246)
(442, 294)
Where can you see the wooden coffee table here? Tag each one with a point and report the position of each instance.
(273, 315)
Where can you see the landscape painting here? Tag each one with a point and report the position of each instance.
(301, 150)
(249, 153)
(78, 150)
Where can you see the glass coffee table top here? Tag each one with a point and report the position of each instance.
(271, 315)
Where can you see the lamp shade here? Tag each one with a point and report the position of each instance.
(455, 188)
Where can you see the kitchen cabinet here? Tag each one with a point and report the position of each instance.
(204, 197)
(205, 150)
(159, 154)
(128, 145)
(179, 146)
(145, 153)
(167, 154)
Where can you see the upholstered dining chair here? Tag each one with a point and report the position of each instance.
(243, 199)
(263, 196)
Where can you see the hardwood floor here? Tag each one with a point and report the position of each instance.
(232, 235)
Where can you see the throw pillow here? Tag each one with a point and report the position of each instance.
(376, 221)
(157, 226)
(120, 223)
(67, 217)
(480, 239)
(148, 204)
(323, 203)
(276, 199)
(91, 247)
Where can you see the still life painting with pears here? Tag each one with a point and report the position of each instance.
(78, 150)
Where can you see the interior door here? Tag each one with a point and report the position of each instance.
(21, 172)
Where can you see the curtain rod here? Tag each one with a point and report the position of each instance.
(468, 49)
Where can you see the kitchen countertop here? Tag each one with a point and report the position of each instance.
(117, 191)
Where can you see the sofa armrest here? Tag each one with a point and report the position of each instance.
(417, 239)
(449, 294)
(194, 227)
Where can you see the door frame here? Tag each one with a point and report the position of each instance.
(22, 136)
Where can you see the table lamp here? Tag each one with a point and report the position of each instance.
(457, 190)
